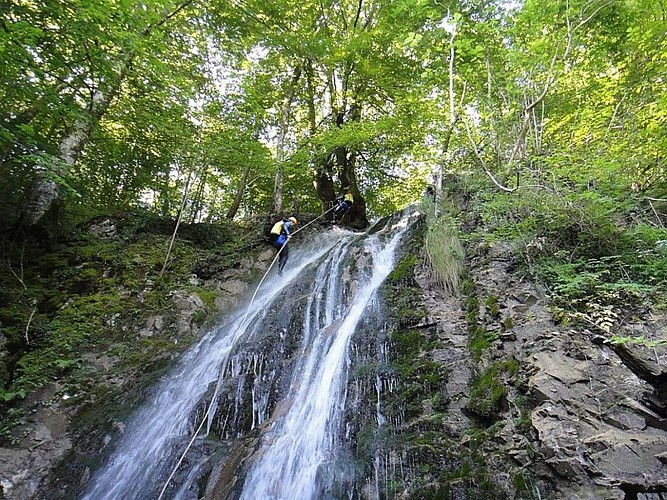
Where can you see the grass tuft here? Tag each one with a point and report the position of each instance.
(444, 250)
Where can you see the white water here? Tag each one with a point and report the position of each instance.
(301, 442)
(138, 465)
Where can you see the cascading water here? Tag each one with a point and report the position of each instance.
(299, 445)
(301, 442)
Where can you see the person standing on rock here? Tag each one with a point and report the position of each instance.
(281, 232)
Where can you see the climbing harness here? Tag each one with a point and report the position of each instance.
(217, 386)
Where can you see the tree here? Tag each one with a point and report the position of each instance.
(78, 56)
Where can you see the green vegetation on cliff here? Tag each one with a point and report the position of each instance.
(89, 292)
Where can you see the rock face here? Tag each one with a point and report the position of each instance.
(538, 411)
(45, 442)
(595, 430)
(64, 434)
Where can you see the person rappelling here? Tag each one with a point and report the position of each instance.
(281, 232)
(345, 202)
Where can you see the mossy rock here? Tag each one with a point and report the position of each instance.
(488, 394)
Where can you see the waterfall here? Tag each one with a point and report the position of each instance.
(303, 441)
(297, 445)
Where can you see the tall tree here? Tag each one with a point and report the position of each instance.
(79, 54)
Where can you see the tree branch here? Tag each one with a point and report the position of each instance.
(358, 15)
(551, 75)
(483, 164)
(27, 327)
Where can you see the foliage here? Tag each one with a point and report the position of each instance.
(567, 97)
(606, 291)
(599, 255)
(488, 392)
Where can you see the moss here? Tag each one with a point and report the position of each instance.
(508, 323)
(403, 270)
(199, 317)
(488, 395)
(524, 422)
(81, 293)
(492, 306)
(364, 370)
(480, 340)
(511, 366)
(421, 381)
(527, 486)
(208, 296)
(409, 343)
(399, 292)
(9, 423)
(365, 441)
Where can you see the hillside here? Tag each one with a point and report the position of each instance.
(517, 369)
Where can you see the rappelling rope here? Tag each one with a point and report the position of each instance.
(276, 258)
(217, 386)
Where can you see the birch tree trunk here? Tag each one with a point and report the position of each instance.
(452, 121)
(45, 189)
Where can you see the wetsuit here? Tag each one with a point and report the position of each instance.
(344, 205)
(280, 231)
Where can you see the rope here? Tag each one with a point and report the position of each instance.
(217, 386)
(276, 258)
(318, 217)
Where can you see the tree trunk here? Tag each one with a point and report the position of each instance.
(197, 204)
(439, 184)
(184, 200)
(231, 213)
(45, 190)
(280, 145)
(346, 162)
(324, 186)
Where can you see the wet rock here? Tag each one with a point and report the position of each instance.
(24, 468)
(188, 306)
(505, 336)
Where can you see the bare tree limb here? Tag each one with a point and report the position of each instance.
(181, 210)
(613, 115)
(19, 277)
(358, 14)
(483, 164)
(27, 327)
(656, 214)
(551, 73)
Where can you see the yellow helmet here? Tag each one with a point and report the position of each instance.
(293, 220)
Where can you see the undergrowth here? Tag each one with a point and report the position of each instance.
(602, 258)
(81, 292)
